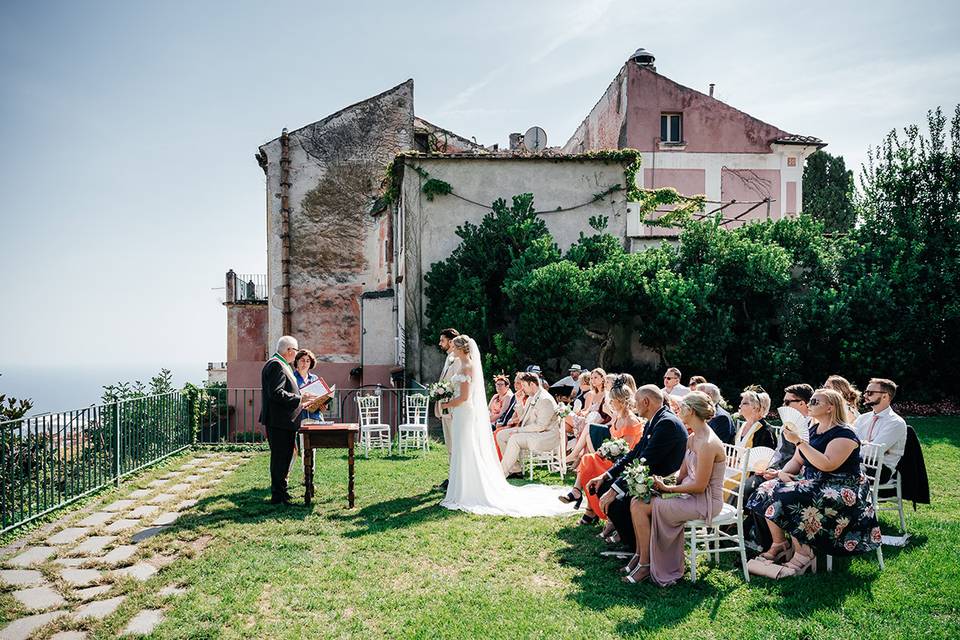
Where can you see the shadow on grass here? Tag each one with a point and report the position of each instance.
(251, 506)
(397, 513)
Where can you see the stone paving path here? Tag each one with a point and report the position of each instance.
(71, 573)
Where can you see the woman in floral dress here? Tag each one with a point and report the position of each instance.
(827, 507)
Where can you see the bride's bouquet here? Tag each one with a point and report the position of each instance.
(639, 481)
(440, 391)
(613, 448)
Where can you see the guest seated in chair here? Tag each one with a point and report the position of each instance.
(538, 429)
(755, 430)
(881, 425)
(595, 412)
(722, 422)
(501, 399)
(625, 425)
(663, 445)
(850, 395)
(821, 497)
(659, 524)
(510, 417)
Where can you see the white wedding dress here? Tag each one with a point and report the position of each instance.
(476, 482)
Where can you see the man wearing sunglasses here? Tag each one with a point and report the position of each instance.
(881, 425)
(671, 384)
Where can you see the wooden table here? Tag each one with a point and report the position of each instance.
(327, 436)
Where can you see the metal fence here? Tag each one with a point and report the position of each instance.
(232, 415)
(246, 287)
(50, 460)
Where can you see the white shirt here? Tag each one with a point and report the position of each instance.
(889, 430)
(566, 382)
(678, 391)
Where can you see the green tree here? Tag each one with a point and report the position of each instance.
(828, 191)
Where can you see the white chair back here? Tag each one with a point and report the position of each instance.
(369, 409)
(738, 460)
(415, 406)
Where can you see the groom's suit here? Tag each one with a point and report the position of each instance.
(451, 367)
(538, 431)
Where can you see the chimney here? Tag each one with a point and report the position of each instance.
(644, 58)
(516, 139)
(711, 89)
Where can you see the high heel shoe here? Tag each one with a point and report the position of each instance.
(588, 519)
(637, 575)
(631, 565)
(576, 500)
(797, 566)
(776, 553)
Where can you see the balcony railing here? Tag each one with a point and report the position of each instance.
(246, 287)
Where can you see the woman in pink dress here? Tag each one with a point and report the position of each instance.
(659, 525)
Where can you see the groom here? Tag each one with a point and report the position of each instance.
(451, 367)
(538, 430)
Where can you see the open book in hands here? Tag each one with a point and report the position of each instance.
(322, 390)
(794, 422)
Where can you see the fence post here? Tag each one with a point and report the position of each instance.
(116, 444)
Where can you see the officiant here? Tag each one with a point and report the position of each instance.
(303, 362)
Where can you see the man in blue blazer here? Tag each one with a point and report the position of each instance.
(663, 445)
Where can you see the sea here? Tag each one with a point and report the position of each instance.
(63, 388)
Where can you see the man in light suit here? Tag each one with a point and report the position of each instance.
(539, 428)
(451, 367)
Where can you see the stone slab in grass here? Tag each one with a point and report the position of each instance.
(120, 554)
(166, 518)
(79, 561)
(119, 505)
(157, 483)
(69, 635)
(90, 593)
(38, 598)
(92, 545)
(21, 577)
(31, 556)
(121, 525)
(81, 577)
(139, 493)
(23, 628)
(143, 623)
(193, 478)
(98, 609)
(172, 590)
(179, 488)
(162, 498)
(186, 504)
(68, 535)
(144, 511)
(149, 532)
(97, 518)
(140, 572)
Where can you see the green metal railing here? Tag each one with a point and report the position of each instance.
(50, 460)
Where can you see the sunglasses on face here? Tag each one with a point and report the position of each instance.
(787, 402)
(868, 392)
(814, 402)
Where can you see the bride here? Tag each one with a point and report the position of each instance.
(476, 481)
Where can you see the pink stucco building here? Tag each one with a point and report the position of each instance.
(697, 144)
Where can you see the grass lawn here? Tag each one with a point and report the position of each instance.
(401, 566)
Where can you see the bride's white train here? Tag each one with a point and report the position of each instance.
(476, 482)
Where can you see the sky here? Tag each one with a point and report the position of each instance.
(129, 185)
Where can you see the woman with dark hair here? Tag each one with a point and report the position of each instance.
(302, 363)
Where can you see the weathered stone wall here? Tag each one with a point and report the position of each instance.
(429, 226)
(338, 249)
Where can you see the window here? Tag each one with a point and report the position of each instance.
(671, 129)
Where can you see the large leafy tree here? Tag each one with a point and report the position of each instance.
(828, 191)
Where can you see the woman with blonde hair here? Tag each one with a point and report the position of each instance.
(821, 497)
(625, 424)
(755, 430)
(850, 395)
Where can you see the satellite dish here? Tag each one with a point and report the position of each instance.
(535, 139)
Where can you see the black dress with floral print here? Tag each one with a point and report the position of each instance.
(830, 511)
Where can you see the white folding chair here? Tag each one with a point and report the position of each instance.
(896, 500)
(710, 535)
(871, 457)
(413, 432)
(555, 459)
(373, 433)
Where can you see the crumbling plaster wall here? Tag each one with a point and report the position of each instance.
(338, 248)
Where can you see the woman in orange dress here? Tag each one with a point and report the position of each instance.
(625, 424)
(521, 400)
